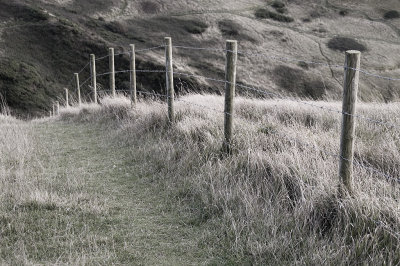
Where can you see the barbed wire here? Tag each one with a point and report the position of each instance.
(84, 68)
(264, 92)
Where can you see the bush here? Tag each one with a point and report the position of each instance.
(279, 7)
(392, 14)
(194, 26)
(149, 7)
(343, 44)
(117, 27)
(297, 81)
(229, 27)
(265, 13)
(278, 4)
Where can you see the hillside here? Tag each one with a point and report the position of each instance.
(111, 184)
(43, 42)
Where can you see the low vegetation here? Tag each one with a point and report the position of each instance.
(279, 6)
(273, 201)
(231, 29)
(150, 7)
(195, 26)
(264, 13)
(392, 14)
(297, 82)
(343, 44)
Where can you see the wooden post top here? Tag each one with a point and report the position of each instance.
(353, 52)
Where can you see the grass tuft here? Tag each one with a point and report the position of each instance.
(264, 13)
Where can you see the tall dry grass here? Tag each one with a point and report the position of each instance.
(274, 199)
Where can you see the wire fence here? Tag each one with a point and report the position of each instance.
(263, 92)
(392, 177)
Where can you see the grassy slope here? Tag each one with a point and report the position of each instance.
(48, 41)
(146, 192)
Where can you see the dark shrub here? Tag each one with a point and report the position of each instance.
(278, 4)
(298, 82)
(392, 14)
(279, 7)
(343, 44)
(149, 7)
(194, 26)
(265, 13)
(117, 27)
(343, 12)
(229, 28)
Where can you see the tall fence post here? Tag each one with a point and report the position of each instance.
(66, 98)
(54, 109)
(93, 75)
(57, 108)
(112, 70)
(169, 79)
(50, 114)
(132, 88)
(230, 77)
(350, 89)
(78, 88)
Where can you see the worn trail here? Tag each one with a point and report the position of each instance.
(142, 228)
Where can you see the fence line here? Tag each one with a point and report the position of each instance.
(282, 136)
(352, 71)
(264, 92)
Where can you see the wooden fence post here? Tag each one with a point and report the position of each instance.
(57, 108)
(169, 79)
(132, 88)
(54, 109)
(230, 77)
(112, 70)
(50, 114)
(93, 75)
(350, 89)
(66, 98)
(78, 88)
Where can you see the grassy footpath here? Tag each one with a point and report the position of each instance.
(97, 208)
(112, 184)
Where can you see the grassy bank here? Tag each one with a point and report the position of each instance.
(274, 199)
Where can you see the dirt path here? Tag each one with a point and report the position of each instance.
(143, 229)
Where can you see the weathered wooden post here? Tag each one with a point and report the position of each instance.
(169, 79)
(78, 88)
(93, 75)
(132, 88)
(350, 89)
(112, 70)
(50, 114)
(230, 77)
(54, 109)
(57, 108)
(66, 98)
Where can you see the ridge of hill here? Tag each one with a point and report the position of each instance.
(43, 42)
